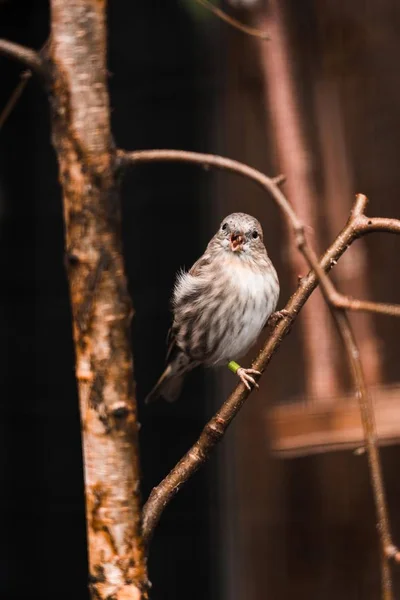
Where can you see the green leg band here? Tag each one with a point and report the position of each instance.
(233, 366)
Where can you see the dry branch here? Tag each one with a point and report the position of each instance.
(29, 58)
(233, 22)
(127, 159)
(24, 78)
(13, 99)
(366, 409)
(357, 226)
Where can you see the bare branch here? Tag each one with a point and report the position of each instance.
(376, 224)
(380, 308)
(220, 162)
(357, 226)
(232, 21)
(362, 224)
(370, 435)
(215, 429)
(366, 409)
(24, 78)
(279, 179)
(337, 299)
(26, 56)
(359, 206)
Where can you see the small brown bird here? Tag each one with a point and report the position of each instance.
(221, 305)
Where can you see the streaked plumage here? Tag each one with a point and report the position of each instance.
(221, 305)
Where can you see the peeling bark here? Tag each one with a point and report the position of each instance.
(100, 303)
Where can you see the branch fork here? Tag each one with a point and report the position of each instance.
(31, 59)
(357, 226)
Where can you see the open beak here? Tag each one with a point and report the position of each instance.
(237, 240)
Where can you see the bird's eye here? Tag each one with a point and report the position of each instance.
(254, 235)
(224, 227)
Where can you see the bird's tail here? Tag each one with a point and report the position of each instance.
(168, 386)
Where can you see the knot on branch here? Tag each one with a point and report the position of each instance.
(120, 411)
(215, 429)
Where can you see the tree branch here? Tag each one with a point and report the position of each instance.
(269, 184)
(377, 224)
(24, 78)
(13, 99)
(232, 21)
(341, 301)
(366, 409)
(335, 298)
(26, 56)
(363, 224)
(357, 226)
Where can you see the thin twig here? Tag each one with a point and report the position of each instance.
(337, 299)
(220, 162)
(279, 179)
(233, 22)
(364, 224)
(366, 409)
(377, 224)
(24, 78)
(370, 436)
(357, 226)
(341, 301)
(30, 58)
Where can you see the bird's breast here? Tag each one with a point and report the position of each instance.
(220, 314)
(248, 298)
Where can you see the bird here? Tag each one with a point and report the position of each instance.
(220, 305)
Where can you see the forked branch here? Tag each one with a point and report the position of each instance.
(24, 78)
(28, 57)
(269, 184)
(338, 310)
(357, 226)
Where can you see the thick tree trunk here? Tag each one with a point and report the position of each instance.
(100, 302)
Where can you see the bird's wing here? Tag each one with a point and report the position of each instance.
(170, 343)
(199, 265)
(195, 271)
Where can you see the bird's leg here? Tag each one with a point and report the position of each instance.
(245, 375)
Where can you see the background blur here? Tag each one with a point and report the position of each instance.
(284, 508)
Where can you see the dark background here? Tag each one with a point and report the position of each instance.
(161, 88)
(247, 526)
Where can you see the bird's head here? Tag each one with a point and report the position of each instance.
(241, 234)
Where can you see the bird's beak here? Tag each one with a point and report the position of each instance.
(237, 240)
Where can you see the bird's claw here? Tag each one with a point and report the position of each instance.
(246, 378)
(277, 316)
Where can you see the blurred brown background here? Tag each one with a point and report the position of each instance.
(320, 103)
